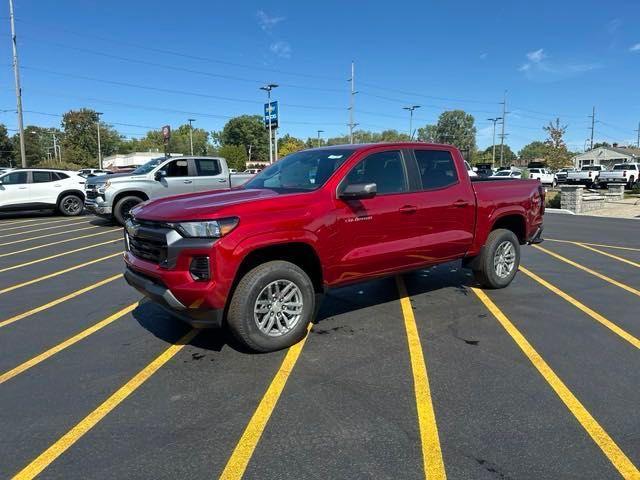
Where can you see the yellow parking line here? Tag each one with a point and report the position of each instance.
(62, 225)
(87, 423)
(588, 270)
(67, 343)
(47, 235)
(58, 301)
(593, 244)
(28, 220)
(237, 463)
(606, 254)
(44, 259)
(592, 313)
(55, 274)
(615, 455)
(433, 463)
(29, 225)
(58, 242)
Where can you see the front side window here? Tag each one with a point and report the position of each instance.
(301, 171)
(437, 169)
(385, 169)
(41, 177)
(208, 167)
(15, 178)
(177, 168)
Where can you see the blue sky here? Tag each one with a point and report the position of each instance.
(553, 58)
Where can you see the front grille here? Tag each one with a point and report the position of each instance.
(148, 249)
(92, 194)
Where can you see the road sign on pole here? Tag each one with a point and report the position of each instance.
(271, 114)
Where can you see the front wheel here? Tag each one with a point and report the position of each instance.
(123, 206)
(499, 260)
(272, 306)
(70, 205)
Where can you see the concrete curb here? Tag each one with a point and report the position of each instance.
(562, 211)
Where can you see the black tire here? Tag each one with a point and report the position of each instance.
(485, 272)
(632, 183)
(122, 207)
(241, 317)
(70, 205)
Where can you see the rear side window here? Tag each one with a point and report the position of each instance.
(385, 169)
(208, 167)
(59, 176)
(41, 177)
(16, 178)
(437, 169)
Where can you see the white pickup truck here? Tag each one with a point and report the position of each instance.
(628, 173)
(545, 176)
(589, 175)
(112, 196)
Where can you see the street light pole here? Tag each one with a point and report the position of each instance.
(268, 88)
(494, 120)
(191, 120)
(99, 146)
(411, 109)
(16, 74)
(319, 132)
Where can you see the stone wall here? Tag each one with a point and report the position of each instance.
(575, 199)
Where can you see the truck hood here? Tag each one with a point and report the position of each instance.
(198, 206)
(95, 180)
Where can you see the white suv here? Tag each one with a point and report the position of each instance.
(42, 189)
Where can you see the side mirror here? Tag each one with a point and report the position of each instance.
(359, 190)
(159, 175)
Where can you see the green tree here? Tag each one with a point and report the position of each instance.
(249, 132)
(601, 144)
(7, 148)
(235, 155)
(533, 151)
(557, 154)
(288, 144)
(80, 140)
(486, 156)
(455, 127)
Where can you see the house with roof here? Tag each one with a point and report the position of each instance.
(607, 156)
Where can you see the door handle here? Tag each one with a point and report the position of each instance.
(460, 204)
(222, 180)
(22, 188)
(408, 209)
(187, 181)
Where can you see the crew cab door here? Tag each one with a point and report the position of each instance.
(14, 190)
(378, 234)
(446, 206)
(210, 175)
(178, 178)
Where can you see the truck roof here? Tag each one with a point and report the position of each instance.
(366, 146)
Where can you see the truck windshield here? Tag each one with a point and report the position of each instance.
(147, 167)
(300, 171)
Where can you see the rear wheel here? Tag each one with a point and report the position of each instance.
(272, 306)
(70, 205)
(123, 206)
(499, 260)
(632, 182)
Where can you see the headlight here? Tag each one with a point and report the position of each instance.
(104, 187)
(207, 229)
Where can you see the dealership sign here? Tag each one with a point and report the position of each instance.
(271, 112)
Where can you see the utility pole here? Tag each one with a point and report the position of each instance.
(352, 80)
(99, 146)
(504, 115)
(494, 120)
(268, 88)
(191, 120)
(411, 108)
(319, 132)
(249, 161)
(593, 125)
(55, 147)
(638, 131)
(16, 74)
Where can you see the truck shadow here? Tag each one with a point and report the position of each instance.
(337, 302)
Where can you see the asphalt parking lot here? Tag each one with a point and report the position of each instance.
(422, 375)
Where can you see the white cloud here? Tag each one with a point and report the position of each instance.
(536, 56)
(266, 21)
(281, 49)
(635, 48)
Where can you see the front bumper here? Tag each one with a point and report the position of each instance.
(98, 206)
(161, 295)
(537, 236)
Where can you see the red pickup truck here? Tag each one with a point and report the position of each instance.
(256, 258)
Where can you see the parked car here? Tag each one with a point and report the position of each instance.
(261, 254)
(470, 170)
(484, 169)
(561, 175)
(628, 173)
(90, 172)
(545, 176)
(233, 171)
(252, 171)
(42, 189)
(588, 175)
(507, 174)
(112, 196)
